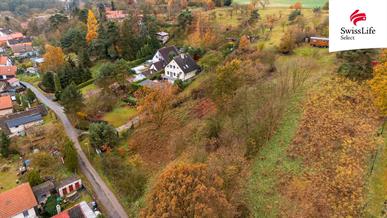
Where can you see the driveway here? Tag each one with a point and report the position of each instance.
(103, 194)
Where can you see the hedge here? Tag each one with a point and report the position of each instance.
(83, 85)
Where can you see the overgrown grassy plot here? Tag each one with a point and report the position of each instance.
(287, 3)
(377, 191)
(119, 116)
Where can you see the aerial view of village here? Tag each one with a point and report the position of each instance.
(188, 109)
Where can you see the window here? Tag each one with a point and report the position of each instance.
(25, 213)
(77, 185)
(167, 72)
(71, 188)
(174, 74)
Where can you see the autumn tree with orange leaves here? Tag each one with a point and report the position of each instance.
(92, 27)
(155, 104)
(379, 83)
(188, 190)
(203, 33)
(54, 58)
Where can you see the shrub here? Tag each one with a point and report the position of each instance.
(103, 134)
(356, 64)
(294, 14)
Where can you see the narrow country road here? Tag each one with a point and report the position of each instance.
(103, 194)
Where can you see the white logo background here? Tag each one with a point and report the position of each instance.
(339, 16)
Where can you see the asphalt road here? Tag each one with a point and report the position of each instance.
(103, 194)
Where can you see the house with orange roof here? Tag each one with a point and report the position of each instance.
(7, 72)
(6, 106)
(5, 61)
(18, 202)
(115, 15)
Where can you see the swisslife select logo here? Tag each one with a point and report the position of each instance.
(357, 24)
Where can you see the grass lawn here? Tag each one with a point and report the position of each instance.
(271, 163)
(29, 78)
(287, 3)
(377, 191)
(8, 177)
(89, 88)
(120, 115)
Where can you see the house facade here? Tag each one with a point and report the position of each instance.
(69, 186)
(182, 67)
(162, 37)
(18, 202)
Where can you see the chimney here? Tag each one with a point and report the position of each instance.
(182, 56)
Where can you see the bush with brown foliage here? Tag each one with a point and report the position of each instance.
(188, 190)
(335, 140)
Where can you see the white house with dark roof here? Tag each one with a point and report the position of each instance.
(181, 67)
(163, 57)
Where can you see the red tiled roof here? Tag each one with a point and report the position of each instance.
(3, 60)
(17, 200)
(10, 36)
(8, 70)
(111, 15)
(5, 102)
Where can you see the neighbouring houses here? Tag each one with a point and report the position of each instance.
(115, 15)
(5, 61)
(163, 57)
(7, 34)
(17, 123)
(6, 106)
(18, 202)
(14, 82)
(43, 191)
(162, 37)
(22, 40)
(68, 186)
(181, 67)
(23, 50)
(81, 210)
(7, 72)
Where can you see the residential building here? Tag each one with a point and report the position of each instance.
(163, 57)
(18, 202)
(7, 34)
(43, 191)
(4, 120)
(22, 40)
(23, 50)
(68, 186)
(181, 67)
(14, 82)
(81, 210)
(116, 15)
(7, 72)
(18, 125)
(6, 106)
(162, 37)
(5, 61)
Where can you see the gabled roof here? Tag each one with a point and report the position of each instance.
(186, 63)
(3, 60)
(43, 189)
(17, 200)
(25, 39)
(82, 210)
(166, 51)
(5, 102)
(159, 65)
(23, 120)
(21, 48)
(8, 70)
(40, 109)
(67, 181)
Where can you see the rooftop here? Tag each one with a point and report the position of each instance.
(82, 210)
(17, 200)
(8, 70)
(23, 120)
(67, 181)
(5, 102)
(3, 60)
